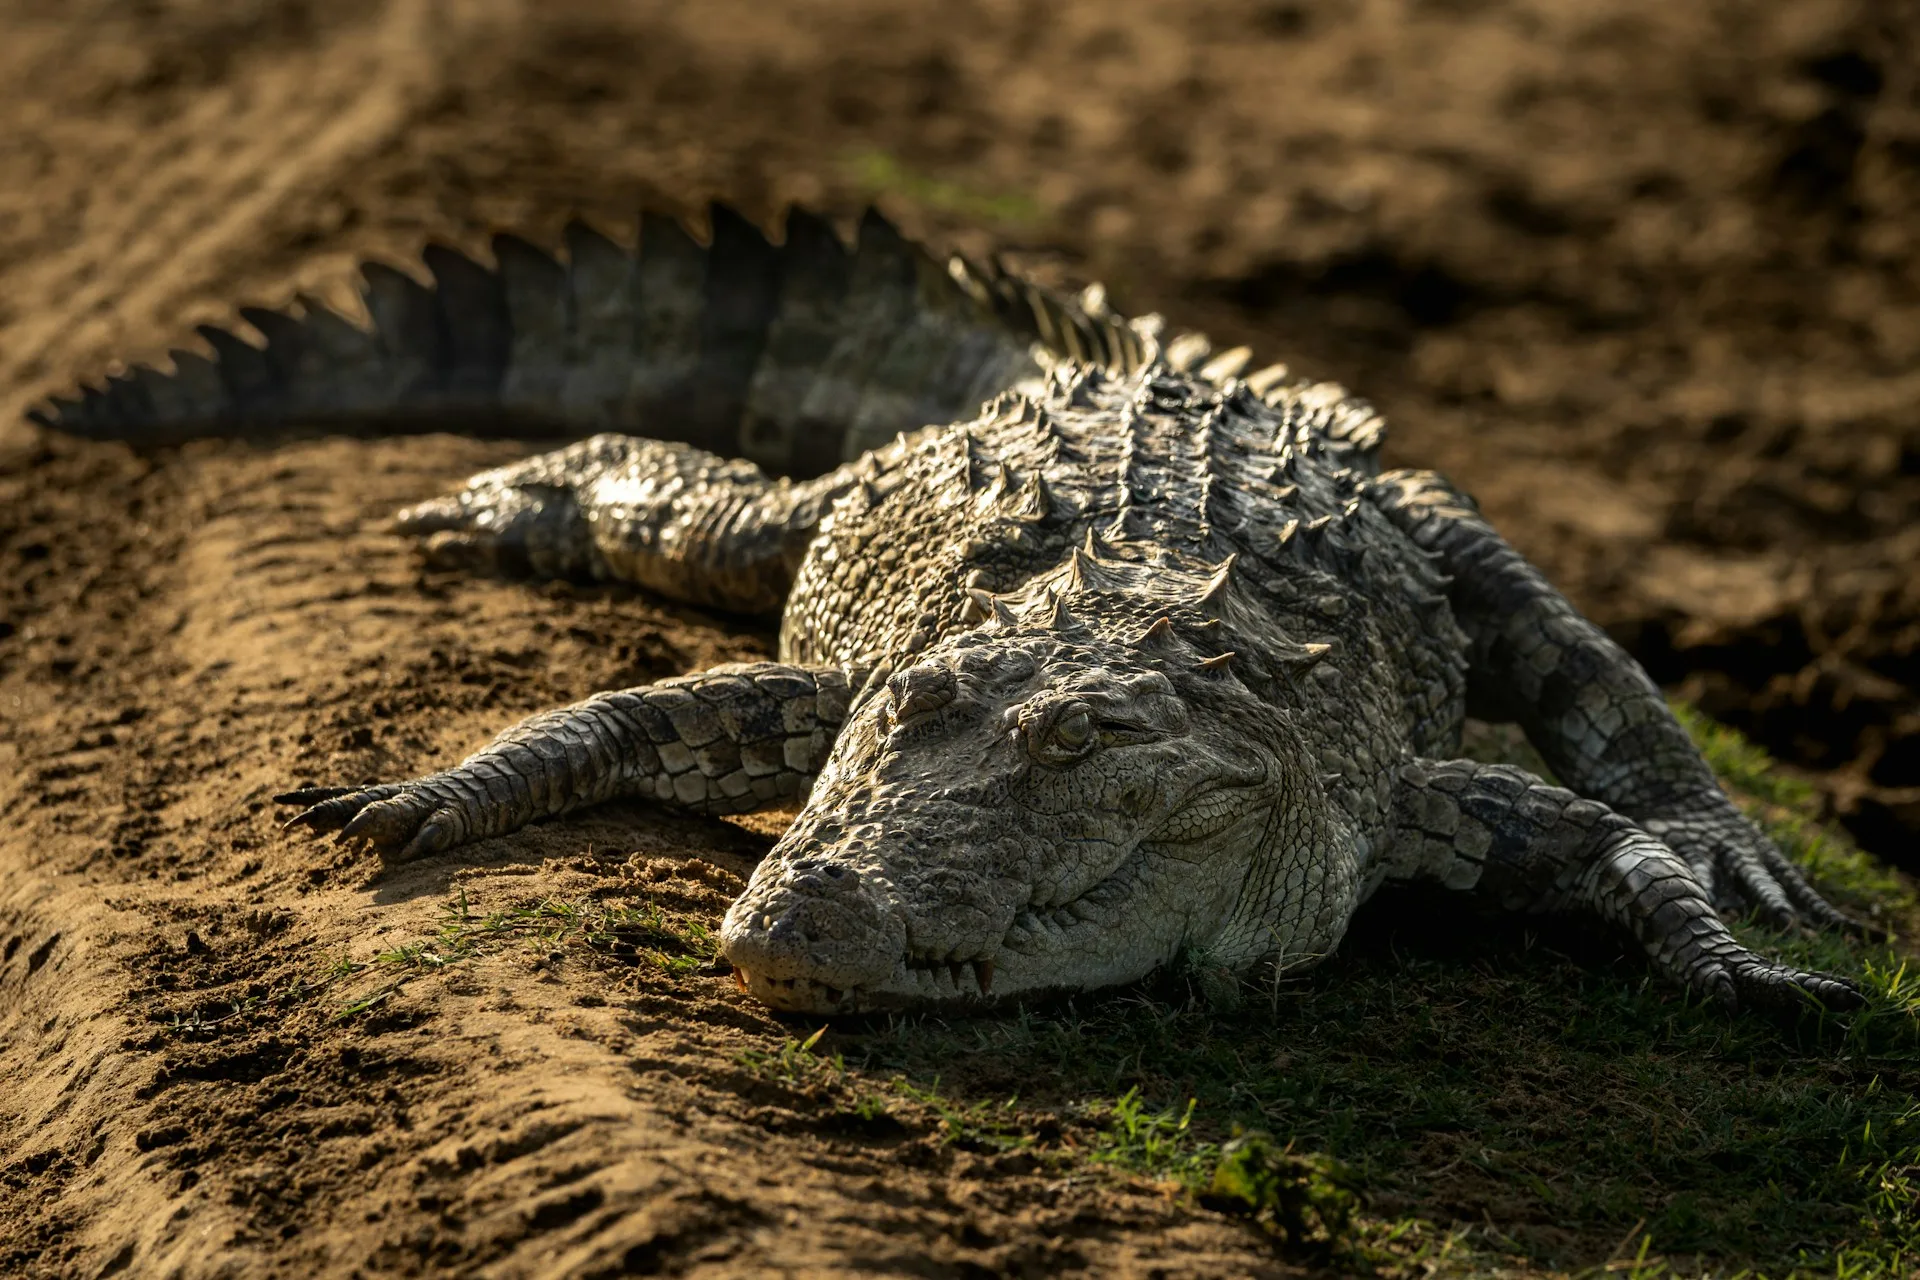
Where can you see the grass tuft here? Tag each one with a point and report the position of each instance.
(795, 1064)
(640, 933)
(881, 174)
(1308, 1201)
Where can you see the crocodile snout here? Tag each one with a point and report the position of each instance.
(814, 938)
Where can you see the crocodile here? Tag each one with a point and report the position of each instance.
(1141, 655)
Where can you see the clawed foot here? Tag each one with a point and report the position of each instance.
(1738, 870)
(398, 820)
(1753, 983)
(1743, 872)
(524, 518)
(516, 529)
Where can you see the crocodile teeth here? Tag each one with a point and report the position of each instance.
(740, 978)
(954, 970)
(983, 976)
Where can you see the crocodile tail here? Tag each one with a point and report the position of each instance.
(796, 354)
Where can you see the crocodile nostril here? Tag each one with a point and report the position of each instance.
(819, 877)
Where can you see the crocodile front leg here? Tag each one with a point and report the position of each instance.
(1591, 711)
(730, 740)
(1530, 846)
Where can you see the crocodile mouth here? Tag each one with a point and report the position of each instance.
(951, 977)
(918, 979)
(924, 979)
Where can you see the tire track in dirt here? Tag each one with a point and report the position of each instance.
(187, 195)
(236, 593)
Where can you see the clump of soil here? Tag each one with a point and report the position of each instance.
(1642, 276)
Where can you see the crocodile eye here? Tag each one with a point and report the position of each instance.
(1058, 734)
(1075, 731)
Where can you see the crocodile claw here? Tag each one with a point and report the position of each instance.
(1744, 873)
(1778, 987)
(395, 819)
(332, 808)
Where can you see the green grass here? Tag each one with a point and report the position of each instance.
(881, 174)
(1564, 1108)
(636, 934)
(794, 1063)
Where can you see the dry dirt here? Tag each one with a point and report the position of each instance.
(1644, 276)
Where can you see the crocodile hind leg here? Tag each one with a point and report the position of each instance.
(675, 519)
(1530, 846)
(730, 740)
(1591, 711)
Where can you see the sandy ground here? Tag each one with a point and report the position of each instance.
(1643, 276)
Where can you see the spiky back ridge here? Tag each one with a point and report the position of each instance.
(1231, 537)
(797, 354)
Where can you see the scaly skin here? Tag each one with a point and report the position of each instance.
(730, 740)
(1137, 667)
(1143, 658)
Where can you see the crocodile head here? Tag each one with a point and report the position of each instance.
(1026, 810)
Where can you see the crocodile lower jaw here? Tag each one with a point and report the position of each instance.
(970, 984)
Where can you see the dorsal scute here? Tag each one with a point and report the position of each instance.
(1048, 610)
(1089, 570)
(1218, 664)
(1098, 548)
(1217, 585)
(1030, 503)
(1159, 634)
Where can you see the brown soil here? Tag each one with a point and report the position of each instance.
(1642, 275)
